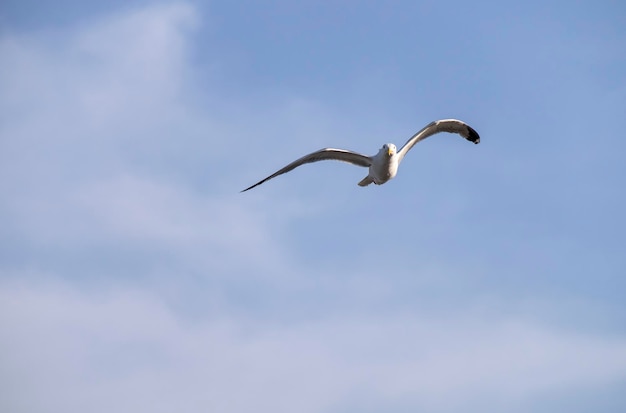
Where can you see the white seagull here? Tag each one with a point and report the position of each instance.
(384, 165)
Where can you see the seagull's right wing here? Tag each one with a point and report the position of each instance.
(321, 155)
(438, 126)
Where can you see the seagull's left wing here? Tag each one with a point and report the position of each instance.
(321, 155)
(444, 125)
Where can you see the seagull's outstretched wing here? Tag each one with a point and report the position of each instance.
(444, 125)
(321, 155)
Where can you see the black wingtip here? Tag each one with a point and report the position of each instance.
(252, 186)
(473, 136)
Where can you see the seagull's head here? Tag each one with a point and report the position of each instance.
(390, 149)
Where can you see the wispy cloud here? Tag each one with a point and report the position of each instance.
(97, 130)
(125, 350)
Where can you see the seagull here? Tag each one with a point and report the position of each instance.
(384, 165)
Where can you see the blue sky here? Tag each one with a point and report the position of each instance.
(135, 277)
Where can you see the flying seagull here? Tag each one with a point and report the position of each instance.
(384, 165)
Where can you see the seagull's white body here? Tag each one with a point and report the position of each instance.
(384, 165)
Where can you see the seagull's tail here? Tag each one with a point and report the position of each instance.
(366, 181)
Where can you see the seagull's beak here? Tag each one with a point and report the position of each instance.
(389, 151)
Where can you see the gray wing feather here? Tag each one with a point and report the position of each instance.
(321, 155)
(438, 126)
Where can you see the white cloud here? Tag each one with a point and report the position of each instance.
(100, 125)
(124, 350)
